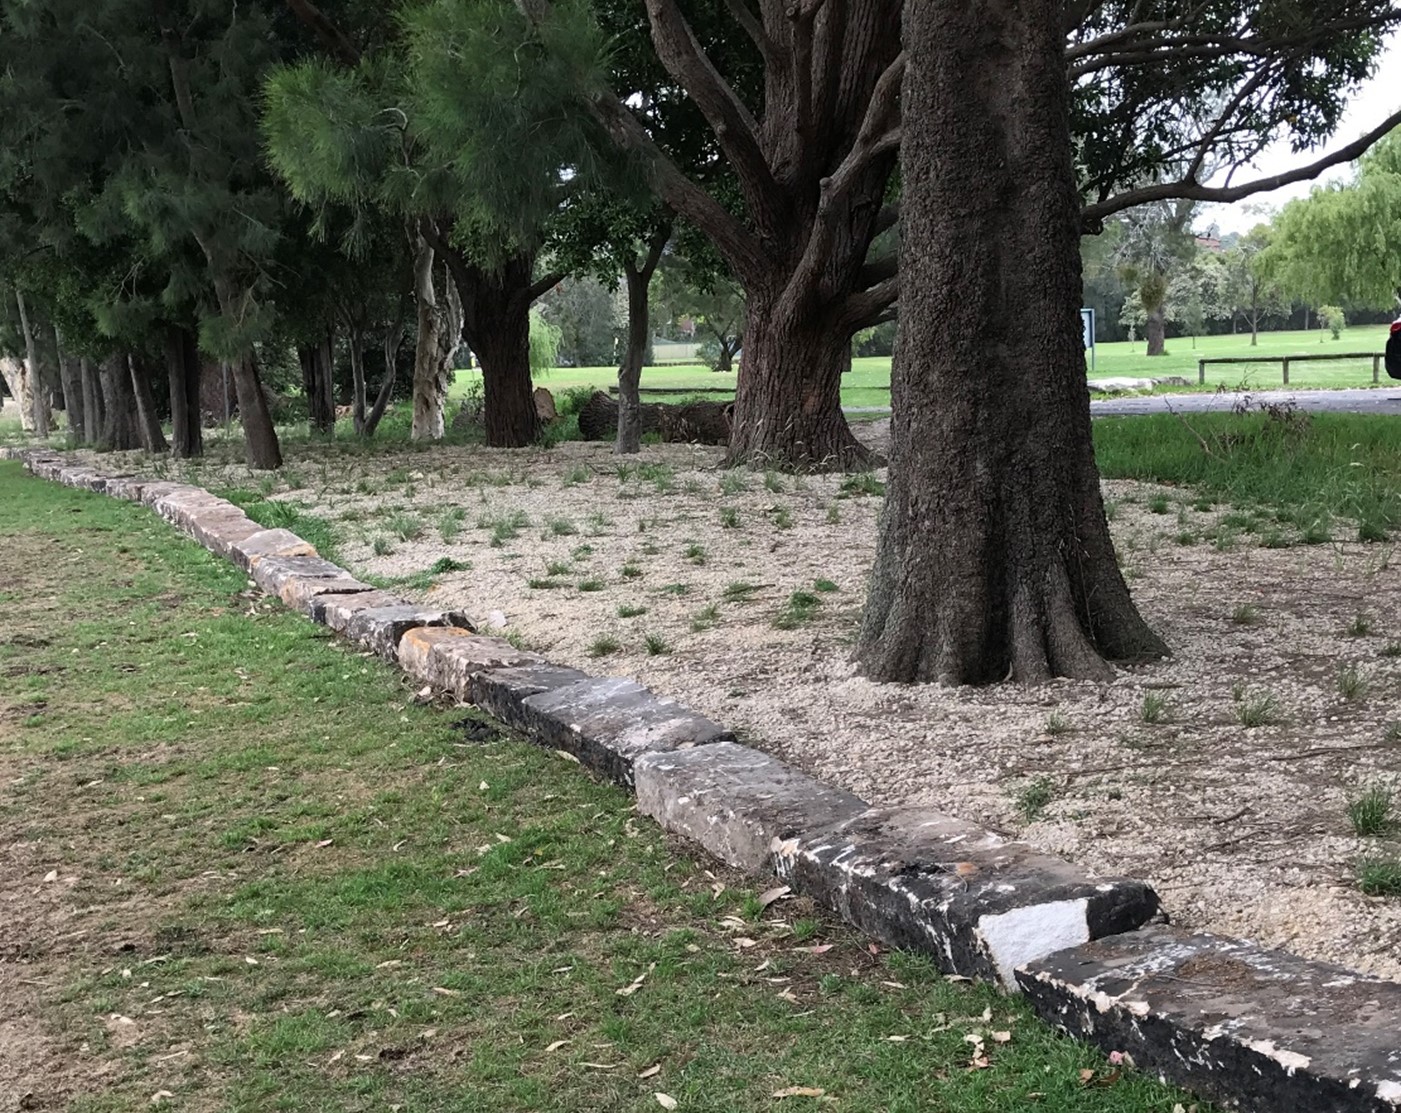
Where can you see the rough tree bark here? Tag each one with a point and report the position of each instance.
(637, 273)
(184, 372)
(38, 392)
(317, 367)
(994, 559)
(119, 422)
(17, 382)
(71, 378)
(496, 325)
(261, 450)
(1153, 330)
(357, 380)
(148, 422)
(92, 400)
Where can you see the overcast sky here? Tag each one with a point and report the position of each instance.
(1372, 104)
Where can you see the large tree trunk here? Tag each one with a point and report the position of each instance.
(38, 392)
(318, 365)
(638, 277)
(994, 559)
(120, 431)
(92, 401)
(148, 422)
(1157, 346)
(183, 372)
(788, 405)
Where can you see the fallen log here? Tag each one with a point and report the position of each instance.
(691, 423)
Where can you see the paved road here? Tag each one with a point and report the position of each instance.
(1377, 401)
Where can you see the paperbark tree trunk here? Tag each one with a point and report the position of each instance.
(439, 318)
(637, 273)
(38, 392)
(120, 432)
(184, 372)
(17, 382)
(994, 559)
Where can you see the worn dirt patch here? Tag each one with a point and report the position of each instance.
(1242, 829)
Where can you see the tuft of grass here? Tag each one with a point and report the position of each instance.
(443, 565)
(1154, 708)
(1058, 722)
(604, 645)
(773, 482)
(382, 546)
(656, 646)
(630, 571)
(1034, 798)
(801, 608)
(1257, 709)
(1359, 627)
(1185, 537)
(834, 514)
(694, 552)
(450, 524)
(1391, 649)
(1379, 876)
(537, 583)
(598, 523)
(1392, 732)
(677, 589)
(783, 517)
(729, 518)
(591, 585)
(406, 527)
(739, 592)
(1158, 504)
(630, 610)
(733, 482)
(503, 527)
(825, 586)
(859, 484)
(705, 618)
(558, 568)
(1246, 614)
(1352, 682)
(576, 475)
(1370, 813)
(562, 527)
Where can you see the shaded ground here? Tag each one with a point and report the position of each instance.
(242, 869)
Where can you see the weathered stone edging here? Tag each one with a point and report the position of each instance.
(1261, 1030)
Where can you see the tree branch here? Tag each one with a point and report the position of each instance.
(544, 285)
(755, 30)
(875, 138)
(867, 308)
(734, 125)
(1094, 215)
(336, 42)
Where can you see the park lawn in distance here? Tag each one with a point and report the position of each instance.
(868, 381)
(249, 871)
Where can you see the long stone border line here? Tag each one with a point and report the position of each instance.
(1255, 1029)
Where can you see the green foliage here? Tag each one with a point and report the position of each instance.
(1333, 319)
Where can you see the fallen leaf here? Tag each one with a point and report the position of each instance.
(602, 1066)
(52, 875)
(555, 1046)
(1085, 1076)
(250, 960)
(768, 896)
(800, 1092)
(629, 990)
(745, 942)
(483, 787)
(324, 843)
(820, 949)
(160, 1096)
(1002, 1037)
(502, 838)
(655, 1068)
(896, 1039)
(446, 992)
(666, 1101)
(896, 985)
(872, 948)
(567, 756)
(335, 1058)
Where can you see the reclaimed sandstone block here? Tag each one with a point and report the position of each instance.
(978, 904)
(78, 477)
(268, 542)
(502, 692)
(736, 802)
(335, 610)
(447, 657)
(182, 507)
(609, 723)
(128, 487)
(158, 489)
(296, 580)
(220, 530)
(380, 628)
(1259, 1030)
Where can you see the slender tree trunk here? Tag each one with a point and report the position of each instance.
(260, 447)
(92, 401)
(1154, 331)
(788, 405)
(120, 432)
(638, 277)
(71, 378)
(148, 422)
(38, 392)
(994, 559)
(386, 388)
(357, 380)
(317, 362)
(184, 373)
(1254, 323)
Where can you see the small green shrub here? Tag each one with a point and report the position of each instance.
(1370, 813)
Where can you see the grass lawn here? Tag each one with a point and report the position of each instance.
(245, 869)
(868, 382)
